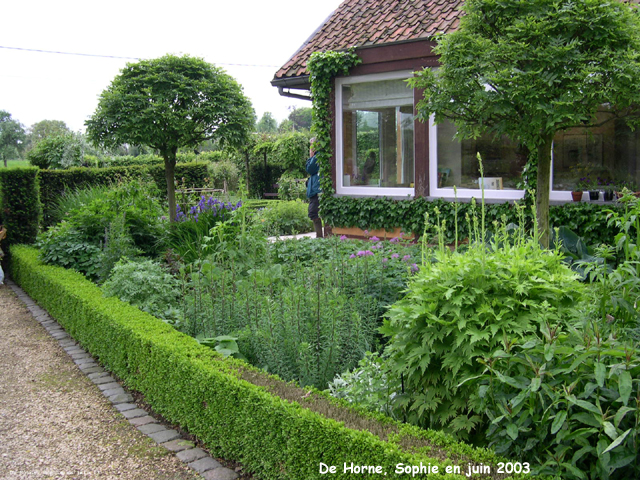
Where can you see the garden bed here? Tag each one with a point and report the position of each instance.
(238, 411)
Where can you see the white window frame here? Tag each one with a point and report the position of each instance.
(361, 190)
(468, 193)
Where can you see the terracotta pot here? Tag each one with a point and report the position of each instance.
(577, 196)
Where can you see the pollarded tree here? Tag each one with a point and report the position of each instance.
(532, 68)
(169, 103)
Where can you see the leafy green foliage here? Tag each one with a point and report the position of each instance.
(224, 173)
(44, 129)
(323, 68)
(291, 188)
(370, 385)
(55, 183)
(20, 205)
(58, 151)
(87, 227)
(12, 137)
(285, 218)
(531, 69)
(463, 306)
(568, 402)
(194, 387)
(170, 103)
(146, 285)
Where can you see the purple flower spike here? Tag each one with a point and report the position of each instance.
(385, 260)
(374, 239)
(343, 237)
(406, 258)
(395, 240)
(414, 268)
(395, 255)
(352, 255)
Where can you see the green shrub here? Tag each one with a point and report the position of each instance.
(464, 306)
(67, 246)
(54, 183)
(224, 172)
(147, 285)
(58, 151)
(291, 189)
(567, 402)
(277, 437)
(285, 218)
(20, 204)
(122, 220)
(186, 236)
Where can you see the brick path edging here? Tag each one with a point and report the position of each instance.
(185, 450)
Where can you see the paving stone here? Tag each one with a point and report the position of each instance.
(79, 355)
(164, 436)
(123, 407)
(136, 412)
(94, 376)
(178, 445)
(122, 398)
(61, 335)
(152, 428)
(68, 342)
(92, 369)
(220, 474)
(73, 350)
(105, 379)
(86, 367)
(113, 391)
(204, 464)
(84, 360)
(191, 455)
(109, 386)
(139, 421)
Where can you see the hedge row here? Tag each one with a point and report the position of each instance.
(589, 220)
(20, 208)
(53, 183)
(193, 386)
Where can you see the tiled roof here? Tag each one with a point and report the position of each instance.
(375, 22)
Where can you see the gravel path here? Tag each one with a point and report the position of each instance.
(55, 423)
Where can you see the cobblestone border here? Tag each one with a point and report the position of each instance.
(185, 450)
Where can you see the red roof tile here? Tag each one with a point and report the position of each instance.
(375, 22)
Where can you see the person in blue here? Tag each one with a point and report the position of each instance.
(313, 189)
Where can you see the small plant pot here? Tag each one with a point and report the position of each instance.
(577, 196)
(608, 195)
(594, 195)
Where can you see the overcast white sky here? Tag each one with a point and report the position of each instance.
(38, 86)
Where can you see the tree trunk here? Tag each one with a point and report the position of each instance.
(543, 189)
(170, 173)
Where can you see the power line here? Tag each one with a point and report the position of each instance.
(123, 58)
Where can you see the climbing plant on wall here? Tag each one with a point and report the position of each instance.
(323, 68)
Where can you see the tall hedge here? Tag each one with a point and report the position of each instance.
(20, 204)
(54, 183)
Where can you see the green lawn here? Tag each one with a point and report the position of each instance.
(16, 163)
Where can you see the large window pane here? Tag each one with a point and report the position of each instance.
(458, 165)
(602, 155)
(378, 144)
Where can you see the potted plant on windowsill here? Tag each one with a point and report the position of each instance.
(581, 186)
(607, 188)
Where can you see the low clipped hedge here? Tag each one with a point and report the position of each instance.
(208, 395)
